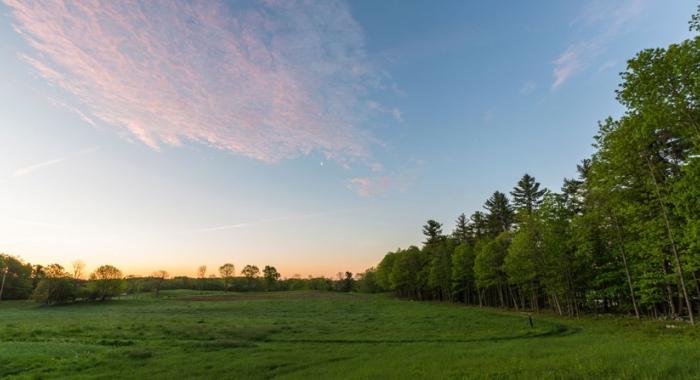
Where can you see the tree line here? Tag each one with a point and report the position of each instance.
(623, 236)
(54, 284)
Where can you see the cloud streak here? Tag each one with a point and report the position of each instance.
(607, 20)
(269, 81)
(400, 180)
(42, 165)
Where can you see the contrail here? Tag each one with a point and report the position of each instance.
(32, 168)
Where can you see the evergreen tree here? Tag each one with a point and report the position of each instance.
(527, 195)
(433, 232)
(462, 232)
(500, 213)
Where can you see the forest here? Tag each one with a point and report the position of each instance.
(621, 237)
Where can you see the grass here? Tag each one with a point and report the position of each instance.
(302, 335)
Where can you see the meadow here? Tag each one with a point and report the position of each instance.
(188, 334)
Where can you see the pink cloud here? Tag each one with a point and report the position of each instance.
(566, 65)
(270, 81)
(400, 180)
(603, 21)
(369, 186)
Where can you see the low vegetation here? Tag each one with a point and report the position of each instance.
(193, 334)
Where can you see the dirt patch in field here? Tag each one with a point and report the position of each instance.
(277, 296)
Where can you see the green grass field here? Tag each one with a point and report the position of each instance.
(327, 335)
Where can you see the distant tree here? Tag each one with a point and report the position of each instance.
(433, 232)
(16, 277)
(227, 271)
(440, 268)
(367, 281)
(159, 277)
(37, 274)
(106, 282)
(55, 286)
(478, 225)
(488, 267)
(408, 277)
(251, 273)
(500, 213)
(461, 232)
(78, 269)
(271, 277)
(463, 271)
(384, 269)
(527, 195)
(347, 282)
(201, 275)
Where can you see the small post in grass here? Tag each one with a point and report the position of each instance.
(529, 318)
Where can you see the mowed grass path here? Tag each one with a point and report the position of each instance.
(327, 335)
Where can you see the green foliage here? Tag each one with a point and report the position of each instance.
(18, 278)
(624, 236)
(271, 276)
(106, 282)
(488, 265)
(500, 213)
(227, 272)
(527, 195)
(463, 271)
(56, 286)
(433, 232)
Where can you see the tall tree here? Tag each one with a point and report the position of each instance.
(201, 276)
(433, 232)
(227, 271)
(106, 281)
(158, 278)
(461, 232)
(527, 195)
(500, 213)
(271, 276)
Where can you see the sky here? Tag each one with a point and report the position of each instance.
(314, 136)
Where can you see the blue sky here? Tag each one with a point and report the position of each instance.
(310, 136)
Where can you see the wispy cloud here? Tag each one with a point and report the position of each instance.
(602, 21)
(607, 65)
(269, 80)
(42, 165)
(528, 87)
(368, 186)
(393, 111)
(400, 180)
(567, 64)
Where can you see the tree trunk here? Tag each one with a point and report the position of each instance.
(556, 303)
(624, 261)
(674, 249)
(669, 292)
(500, 296)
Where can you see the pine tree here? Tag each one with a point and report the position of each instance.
(527, 195)
(433, 232)
(461, 232)
(500, 213)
